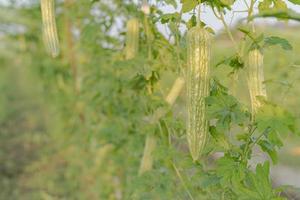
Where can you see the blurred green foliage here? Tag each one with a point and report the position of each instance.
(67, 135)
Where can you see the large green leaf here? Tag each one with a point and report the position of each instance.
(188, 5)
(295, 1)
(274, 40)
(276, 118)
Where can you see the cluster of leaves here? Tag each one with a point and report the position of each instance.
(232, 175)
(278, 9)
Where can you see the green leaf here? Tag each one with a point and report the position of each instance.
(209, 29)
(255, 38)
(209, 180)
(188, 5)
(235, 61)
(171, 2)
(257, 185)
(268, 147)
(280, 5)
(220, 138)
(256, 42)
(192, 22)
(259, 38)
(169, 17)
(272, 6)
(295, 1)
(139, 82)
(260, 181)
(242, 137)
(275, 118)
(227, 2)
(226, 110)
(217, 88)
(244, 30)
(274, 40)
(274, 138)
(229, 170)
(283, 15)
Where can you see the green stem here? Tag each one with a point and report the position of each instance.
(250, 13)
(199, 15)
(247, 5)
(250, 144)
(147, 30)
(178, 43)
(182, 181)
(259, 137)
(251, 132)
(227, 29)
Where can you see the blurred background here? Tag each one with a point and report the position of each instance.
(69, 127)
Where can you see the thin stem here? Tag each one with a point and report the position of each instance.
(221, 17)
(247, 5)
(250, 9)
(169, 134)
(227, 29)
(240, 11)
(182, 181)
(149, 46)
(69, 50)
(251, 132)
(234, 12)
(217, 16)
(250, 145)
(250, 12)
(259, 137)
(178, 43)
(199, 15)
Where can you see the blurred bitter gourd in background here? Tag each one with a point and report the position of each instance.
(132, 39)
(198, 62)
(150, 145)
(50, 35)
(255, 77)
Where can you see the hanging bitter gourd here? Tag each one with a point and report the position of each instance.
(147, 160)
(175, 91)
(197, 82)
(50, 35)
(132, 38)
(255, 77)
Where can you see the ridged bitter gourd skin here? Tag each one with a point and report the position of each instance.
(50, 35)
(198, 64)
(256, 79)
